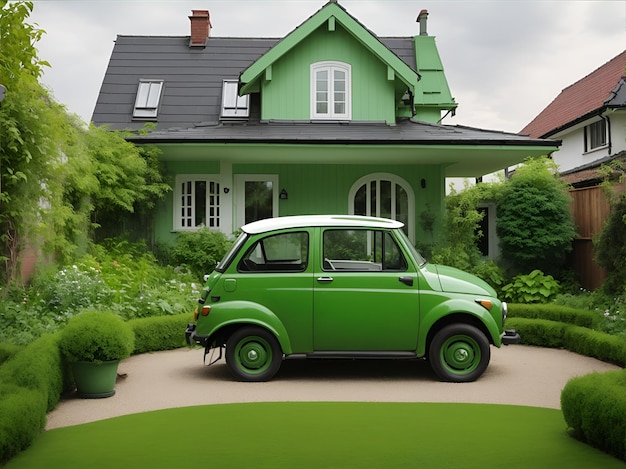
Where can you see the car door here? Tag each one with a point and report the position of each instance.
(365, 293)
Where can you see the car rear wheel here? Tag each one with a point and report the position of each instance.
(253, 354)
(459, 353)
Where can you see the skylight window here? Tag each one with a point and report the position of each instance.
(234, 105)
(148, 97)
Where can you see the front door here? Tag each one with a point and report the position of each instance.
(365, 294)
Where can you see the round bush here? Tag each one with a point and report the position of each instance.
(96, 337)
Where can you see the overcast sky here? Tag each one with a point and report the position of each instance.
(505, 60)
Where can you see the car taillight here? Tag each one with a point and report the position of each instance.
(205, 310)
(195, 315)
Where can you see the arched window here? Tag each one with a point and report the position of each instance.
(384, 195)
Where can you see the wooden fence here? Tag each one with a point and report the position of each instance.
(590, 209)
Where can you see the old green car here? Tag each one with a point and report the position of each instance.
(343, 287)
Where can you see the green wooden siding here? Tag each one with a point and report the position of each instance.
(287, 95)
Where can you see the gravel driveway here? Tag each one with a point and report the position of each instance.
(517, 374)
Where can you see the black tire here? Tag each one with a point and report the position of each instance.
(459, 353)
(253, 354)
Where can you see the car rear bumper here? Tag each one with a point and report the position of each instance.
(192, 338)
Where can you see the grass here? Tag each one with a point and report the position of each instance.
(320, 435)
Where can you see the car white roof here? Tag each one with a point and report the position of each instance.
(303, 221)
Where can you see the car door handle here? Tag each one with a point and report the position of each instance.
(324, 279)
(406, 280)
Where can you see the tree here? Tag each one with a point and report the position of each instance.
(28, 129)
(59, 179)
(534, 220)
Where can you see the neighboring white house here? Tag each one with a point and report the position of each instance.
(589, 117)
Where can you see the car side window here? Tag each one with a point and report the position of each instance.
(285, 252)
(361, 251)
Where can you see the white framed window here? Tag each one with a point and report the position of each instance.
(595, 135)
(256, 197)
(331, 90)
(384, 195)
(196, 202)
(233, 105)
(148, 97)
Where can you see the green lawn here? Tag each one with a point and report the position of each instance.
(320, 435)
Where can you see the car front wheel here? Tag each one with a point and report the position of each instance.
(459, 353)
(253, 354)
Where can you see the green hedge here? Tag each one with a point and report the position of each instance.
(545, 333)
(577, 317)
(33, 381)
(594, 407)
(159, 332)
(33, 378)
(7, 351)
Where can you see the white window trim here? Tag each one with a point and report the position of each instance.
(376, 210)
(177, 219)
(330, 66)
(148, 106)
(240, 193)
(233, 105)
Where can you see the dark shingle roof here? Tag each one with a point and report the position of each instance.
(604, 87)
(192, 76)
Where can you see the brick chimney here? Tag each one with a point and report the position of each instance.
(422, 19)
(200, 28)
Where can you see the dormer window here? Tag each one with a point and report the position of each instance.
(148, 97)
(331, 96)
(233, 105)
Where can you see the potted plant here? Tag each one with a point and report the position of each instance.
(93, 343)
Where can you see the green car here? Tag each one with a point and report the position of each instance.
(343, 287)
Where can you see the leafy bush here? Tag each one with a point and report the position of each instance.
(96, 337)
(534, 220)
(578, 317)
(201, 250)
(610, 247)
(159, 333)
(491, 273)
(594, 407)
(532, 288)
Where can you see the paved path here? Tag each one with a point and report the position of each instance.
(519, 375)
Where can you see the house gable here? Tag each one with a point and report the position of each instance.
(331, 34)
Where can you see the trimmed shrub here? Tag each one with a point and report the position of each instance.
(96, 337)
(7, 351)
(578, 317)
(553, 334)
(22, 417)
(540, 332)
(600, 345)
(159, 333)
(594, 407)
(38, 367)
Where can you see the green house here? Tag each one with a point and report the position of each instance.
(330, 119)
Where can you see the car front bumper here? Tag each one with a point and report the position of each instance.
(192, 338)
(510, 337)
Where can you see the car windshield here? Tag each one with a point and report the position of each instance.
(221, 266)
(417, 256)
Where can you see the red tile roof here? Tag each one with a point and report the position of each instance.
(579, 99)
